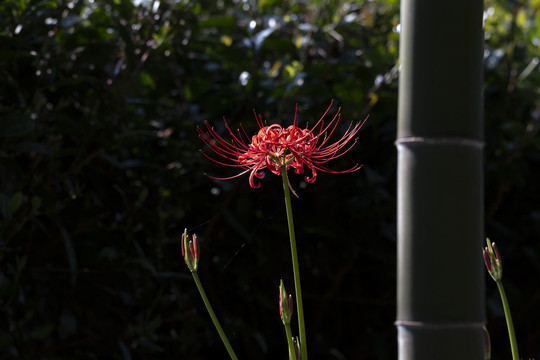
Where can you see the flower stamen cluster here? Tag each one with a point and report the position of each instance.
(275, 148)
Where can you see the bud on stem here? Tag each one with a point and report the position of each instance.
(190, 251)
(492, 259)
(285, 304)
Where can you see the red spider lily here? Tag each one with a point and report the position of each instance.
(277, 148)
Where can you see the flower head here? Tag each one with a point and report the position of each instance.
(492, 259)
(277, 148)
(190, 251)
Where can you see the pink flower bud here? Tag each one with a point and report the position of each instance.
(492, 259)
(190, 251)
(285, 304)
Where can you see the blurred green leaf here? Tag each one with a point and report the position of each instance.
(70, 253)
(15, 202)
(15, 124)
(36, 204)
(146, 80)
(218, 21)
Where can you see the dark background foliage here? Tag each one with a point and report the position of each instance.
(100, 172)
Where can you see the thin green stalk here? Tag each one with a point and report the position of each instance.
(213, 316)
(296, 270)
(509, 323)
(290, 342)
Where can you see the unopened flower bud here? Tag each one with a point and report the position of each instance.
(190, 251)
(487, 344)
(296, 344)
(285, 304)
(492, 259)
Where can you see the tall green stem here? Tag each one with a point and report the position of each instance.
(296, 270)
(290, 343)
(213, 316)
(509, 323)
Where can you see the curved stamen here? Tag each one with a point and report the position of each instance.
(274, 146)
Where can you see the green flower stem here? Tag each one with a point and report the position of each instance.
(296, 271)
(213, 316)
(288, 333)
(509, 323)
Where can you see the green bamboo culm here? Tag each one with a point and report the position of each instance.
(219, 329)
(296, 270)
(440, 287)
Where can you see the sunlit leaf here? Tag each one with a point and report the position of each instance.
(261, 36)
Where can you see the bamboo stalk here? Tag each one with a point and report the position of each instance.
(440, 312)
